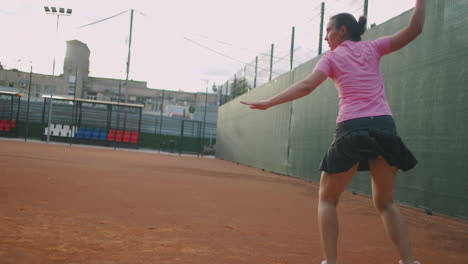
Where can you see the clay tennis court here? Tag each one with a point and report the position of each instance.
(62, 204)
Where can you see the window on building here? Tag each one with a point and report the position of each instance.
(47, 89)
(71, 85)
(157, 107)
(11, 84)
(71, 90)
(23, 83)
(37, 90)
(140, 100)
(91, 96)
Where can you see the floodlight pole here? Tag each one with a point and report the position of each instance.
(61, 12)
(56, 39)
(49, 120)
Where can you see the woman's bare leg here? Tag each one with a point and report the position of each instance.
(331, 187)
(383, 183)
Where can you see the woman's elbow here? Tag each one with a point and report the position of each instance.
(416, 30)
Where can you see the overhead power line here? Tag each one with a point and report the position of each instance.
(222, 54)
(107, 18)
(215, 51)
(227, 43)
(267, 53)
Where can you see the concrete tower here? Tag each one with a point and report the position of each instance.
(76, 68)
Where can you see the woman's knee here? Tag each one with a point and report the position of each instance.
(328, 198)
(329, 193)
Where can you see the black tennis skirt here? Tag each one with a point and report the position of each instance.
(364, 139)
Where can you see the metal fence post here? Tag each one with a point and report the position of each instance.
(271, 61)
(321, 28)
(292, 49)
(26, 134)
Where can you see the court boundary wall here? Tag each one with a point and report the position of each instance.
(426, 86)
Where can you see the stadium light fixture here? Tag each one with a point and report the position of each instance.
(61, 12)
(52, 10)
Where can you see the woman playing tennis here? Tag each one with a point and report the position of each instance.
(366, 138)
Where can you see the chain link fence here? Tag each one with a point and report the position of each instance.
(91, 123)
(303, 42)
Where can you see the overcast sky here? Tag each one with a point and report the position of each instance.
(176, 44)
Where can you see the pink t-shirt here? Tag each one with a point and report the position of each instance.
(354, 67)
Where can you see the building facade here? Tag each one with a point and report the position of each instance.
(76, 82)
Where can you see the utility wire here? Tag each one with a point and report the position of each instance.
(221, 54)
(99, 21)
(227, 43)
(139, 12)
(107, 18)
(311, 19)
(212, 50)
(241, 48)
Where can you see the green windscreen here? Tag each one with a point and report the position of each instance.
(255, 138)
(426, 85)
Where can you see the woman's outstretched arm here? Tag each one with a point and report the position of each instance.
(414, 28)
(295, 91)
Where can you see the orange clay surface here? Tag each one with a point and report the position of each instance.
(62, 204)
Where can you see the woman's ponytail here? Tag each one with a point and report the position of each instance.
(362, 25)
(355, 28)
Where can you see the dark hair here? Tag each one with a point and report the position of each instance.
(355, 28)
